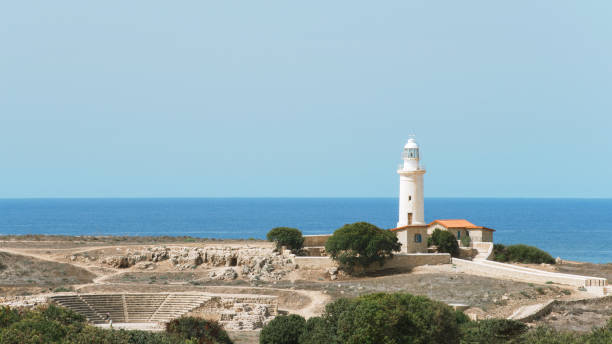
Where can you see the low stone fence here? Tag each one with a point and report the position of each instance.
(316, 240)
(402, 262)
(314, 263)
(523, 274)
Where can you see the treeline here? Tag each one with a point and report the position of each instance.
(370, 319)
(403, 318)
(360, 244)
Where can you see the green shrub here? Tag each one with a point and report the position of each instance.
(318, 331)
(601, 335)
(361, 244)
(284, 236)
(375, 318)
(396, 318)
(499, 253)
(445, 241)
(204, 331)
(33, 330)
(522, 254)
(53, 324)
(62, 289)
(466, 241)
(528, 254)
(335, 309)
(8, 316)
(284, 329)
(546, 335)
(461, 317)
(492, 331)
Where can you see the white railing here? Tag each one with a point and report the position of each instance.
(420, 168)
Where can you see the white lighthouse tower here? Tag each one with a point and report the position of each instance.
(411, 208)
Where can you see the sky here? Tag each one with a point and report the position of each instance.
(304, 99)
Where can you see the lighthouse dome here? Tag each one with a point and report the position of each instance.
(411, 144)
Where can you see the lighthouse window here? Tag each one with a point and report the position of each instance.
(413, 153)
(410, 198)
(417, 238)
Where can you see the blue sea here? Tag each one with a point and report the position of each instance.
(574, 229)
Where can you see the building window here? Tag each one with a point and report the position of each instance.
(417, 238)
(458, 235)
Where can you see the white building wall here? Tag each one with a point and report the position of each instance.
(411, 198)
(411, 195)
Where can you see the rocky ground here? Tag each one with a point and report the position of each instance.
(131, 264)
(580, 316)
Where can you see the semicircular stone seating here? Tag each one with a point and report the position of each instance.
(233, 311)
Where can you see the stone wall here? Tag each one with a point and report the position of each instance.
(238, 312)
(314, 263)
(467, 253)
(481, 235)
(523, 274)
(316, 240)
(407, 237)
(402, 262)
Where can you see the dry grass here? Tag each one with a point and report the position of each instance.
(28, 271)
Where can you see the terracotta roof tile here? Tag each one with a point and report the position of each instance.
(455, 223)
(459, 223)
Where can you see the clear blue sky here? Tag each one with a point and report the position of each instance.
(304, 99)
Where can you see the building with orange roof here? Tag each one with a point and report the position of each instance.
(462, 227)
(412, 231)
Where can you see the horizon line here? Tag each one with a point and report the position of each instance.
(292, 197)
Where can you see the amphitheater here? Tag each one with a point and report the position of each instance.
(233, 311)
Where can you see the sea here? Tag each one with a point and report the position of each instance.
(573, 229)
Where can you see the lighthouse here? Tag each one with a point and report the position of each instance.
(411, 208)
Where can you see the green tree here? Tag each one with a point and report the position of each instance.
(435, 237)
(318, 330)
(370, 319)
(361, 244)
(284, 329)
(285, 236)
(397, 318)
(445, 241)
